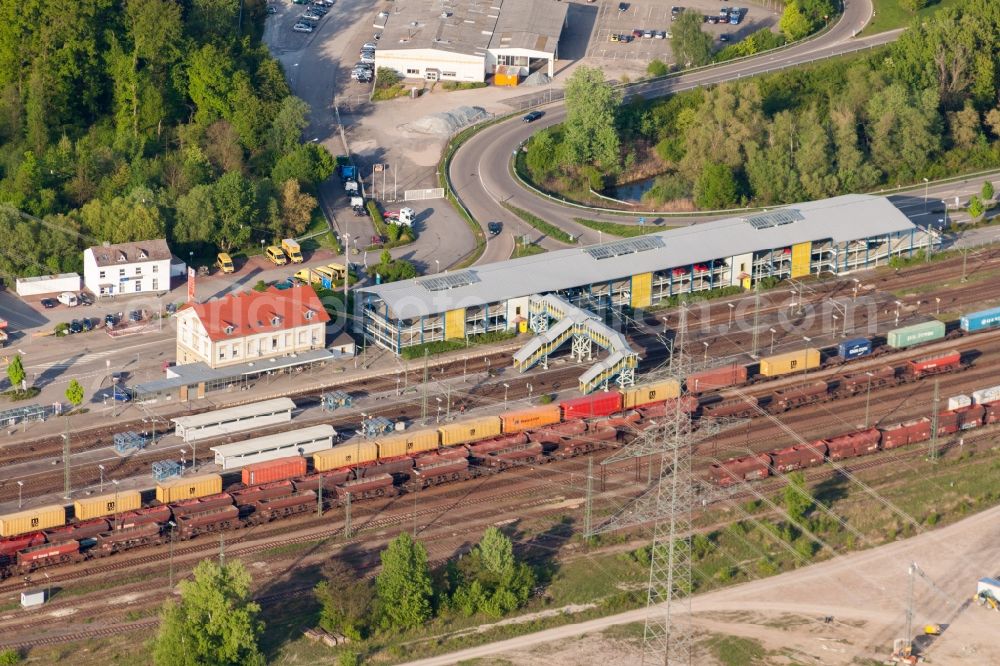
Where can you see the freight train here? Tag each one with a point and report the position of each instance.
(973, 413)
(188, 507)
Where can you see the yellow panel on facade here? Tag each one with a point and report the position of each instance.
(454, 324)
(746, 283)
(642, 290)
(801, 259)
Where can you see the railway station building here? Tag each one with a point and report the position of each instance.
(831, 236)
(464, 40)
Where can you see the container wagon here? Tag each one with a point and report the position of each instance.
(528, 419)
(789, 363)
(274, 470)
(181, 489)
(650, 393)
(716, 378)
(854, 348)
(592, 406)
(394, 446)
(918, 334)
(105, 505)
(468, 431)
(974, 322)
(32, 520)
(358, 453)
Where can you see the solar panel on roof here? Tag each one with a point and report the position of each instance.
(774, 218)
(449, 281)
(627, 246)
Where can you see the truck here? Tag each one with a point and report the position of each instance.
(326, 276)
(350, 186)
(403, 216)
(348, 171)
(291, 248)
(3, 332)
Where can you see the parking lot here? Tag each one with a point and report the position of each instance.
(638, 26)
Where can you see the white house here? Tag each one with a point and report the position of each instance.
(251, 326)
(127, 268)
(464, 40)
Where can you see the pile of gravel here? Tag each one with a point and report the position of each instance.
(447, 123)
(538, 78)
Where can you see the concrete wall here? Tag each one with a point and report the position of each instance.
(48, 284)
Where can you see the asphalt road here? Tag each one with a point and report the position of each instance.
(481, 178)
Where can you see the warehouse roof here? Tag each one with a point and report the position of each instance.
(849, 217)
(472, 26)
(277, 441)
(240, 411)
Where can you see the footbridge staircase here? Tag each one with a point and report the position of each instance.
(556, 321)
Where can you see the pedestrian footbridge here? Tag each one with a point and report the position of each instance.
(555, 321)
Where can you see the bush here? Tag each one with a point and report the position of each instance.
(260, 286)
(386, 77)
(913, 5)
(657, 68)
(987, 192)
(61, 328)
(9, 657)
(545, 398)
(595, 179)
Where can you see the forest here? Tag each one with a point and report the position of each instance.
(124, 120)
(927, 106)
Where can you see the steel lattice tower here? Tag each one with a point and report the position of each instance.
(668, 503)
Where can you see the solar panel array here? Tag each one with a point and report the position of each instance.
(775, 218)
(627, 246)
(449, 281)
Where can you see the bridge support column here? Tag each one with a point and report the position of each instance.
(581, 347)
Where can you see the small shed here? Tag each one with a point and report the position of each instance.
(344, 344)
(507, 75)
(32, 598)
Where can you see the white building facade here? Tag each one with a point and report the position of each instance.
(127, 268)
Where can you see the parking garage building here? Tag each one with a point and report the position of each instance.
(831, 236)
(464, 40)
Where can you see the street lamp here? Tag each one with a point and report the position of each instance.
(20, 485)
(835, 320)
(857, 285)
(937, 301)
(868, 398)
(101, 468)
(732, 307)
(183, 461)
(899, 304)
(772, 339)
(530, 389)
(115, 481)
(438, 262)
(172, 526)
(705, 357)
(505, 387)
(926, 185)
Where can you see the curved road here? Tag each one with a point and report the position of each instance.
(479, 171)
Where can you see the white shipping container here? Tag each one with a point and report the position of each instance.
(959, 401)
(991, 394)
(33, 598)
(47, 284)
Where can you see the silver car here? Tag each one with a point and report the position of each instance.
(302, 27)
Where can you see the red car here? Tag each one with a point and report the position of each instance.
(637, 34)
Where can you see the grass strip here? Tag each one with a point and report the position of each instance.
(541, 225)
(622, 230)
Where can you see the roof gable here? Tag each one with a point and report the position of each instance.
(251, 312)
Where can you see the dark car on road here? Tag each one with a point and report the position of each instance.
(75, 326)
(494, 227)
(110, 320)
(49, 303)
(623, 6)
(533, 116)
(87, 323)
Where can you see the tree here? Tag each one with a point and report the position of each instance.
(657, 67)
(296, 207)
(913, 5)
(196, 219)
(308, 164)
(591, 103)
(233, 198)
(403, 587)
(692, 46)
(794, 24)
(215, 622)
(987, 192)
(715, 188)
(286, 128)
(492, 581)
(74, 393)
(976, 207)
(15, 372)
(798, 501)
(345, 600)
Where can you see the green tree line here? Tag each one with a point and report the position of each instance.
(131, 119)
(924, 107)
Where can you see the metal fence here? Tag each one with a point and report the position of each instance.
(421, 195)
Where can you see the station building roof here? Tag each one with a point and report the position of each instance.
(277, 441)
(840, 219)
(238, 412)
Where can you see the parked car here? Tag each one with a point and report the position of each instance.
(110, 320)
(302, 27)
(723, 38)
(49, 303)
(615, 37)
(533, 116)
(171, 308)
(713, 20)
(84, 299)
(369, 45)
(637, 33)
(660, 34)
(135, 315)
(271, 9)
(87, 323)
(75, 326)
(494, 227)
(368, 58)
(647, 34)
(623, 7)
(319, 10)
(311, 17)
(627, 38)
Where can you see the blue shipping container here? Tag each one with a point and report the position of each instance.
(855, 348)
(980, 321)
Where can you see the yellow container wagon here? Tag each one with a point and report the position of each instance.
(345, 455)
(406, 443)
(105, 505)
(637, 396)
(469, 431)
(32, 520)
(786, 364)
(182, 489)
(528, 419)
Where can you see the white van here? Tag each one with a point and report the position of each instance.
(68, 298)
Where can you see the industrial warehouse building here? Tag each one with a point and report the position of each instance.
(464, 40)
(831, 236)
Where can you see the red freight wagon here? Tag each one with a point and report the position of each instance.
(202, 504)
(798, 456)
(736, 408)
(629, 419)
(480, 449)
(374, 486)
(10, 545)
(129, 519)
(457, 453)
(960, 419)
(527, 454)
(589, 406)
(278, 507)
(329, 479)
(274, 470)
(212, 520)
(910, 432)
(795, 396)
(248, 496)
(880, 377)
(992, 412)
(839, 448)
(48, 554)
(735, 470)
(571, 428)
(932, 365)
(716, 378)
(688, 405)
(119, 540)
(85, 530)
